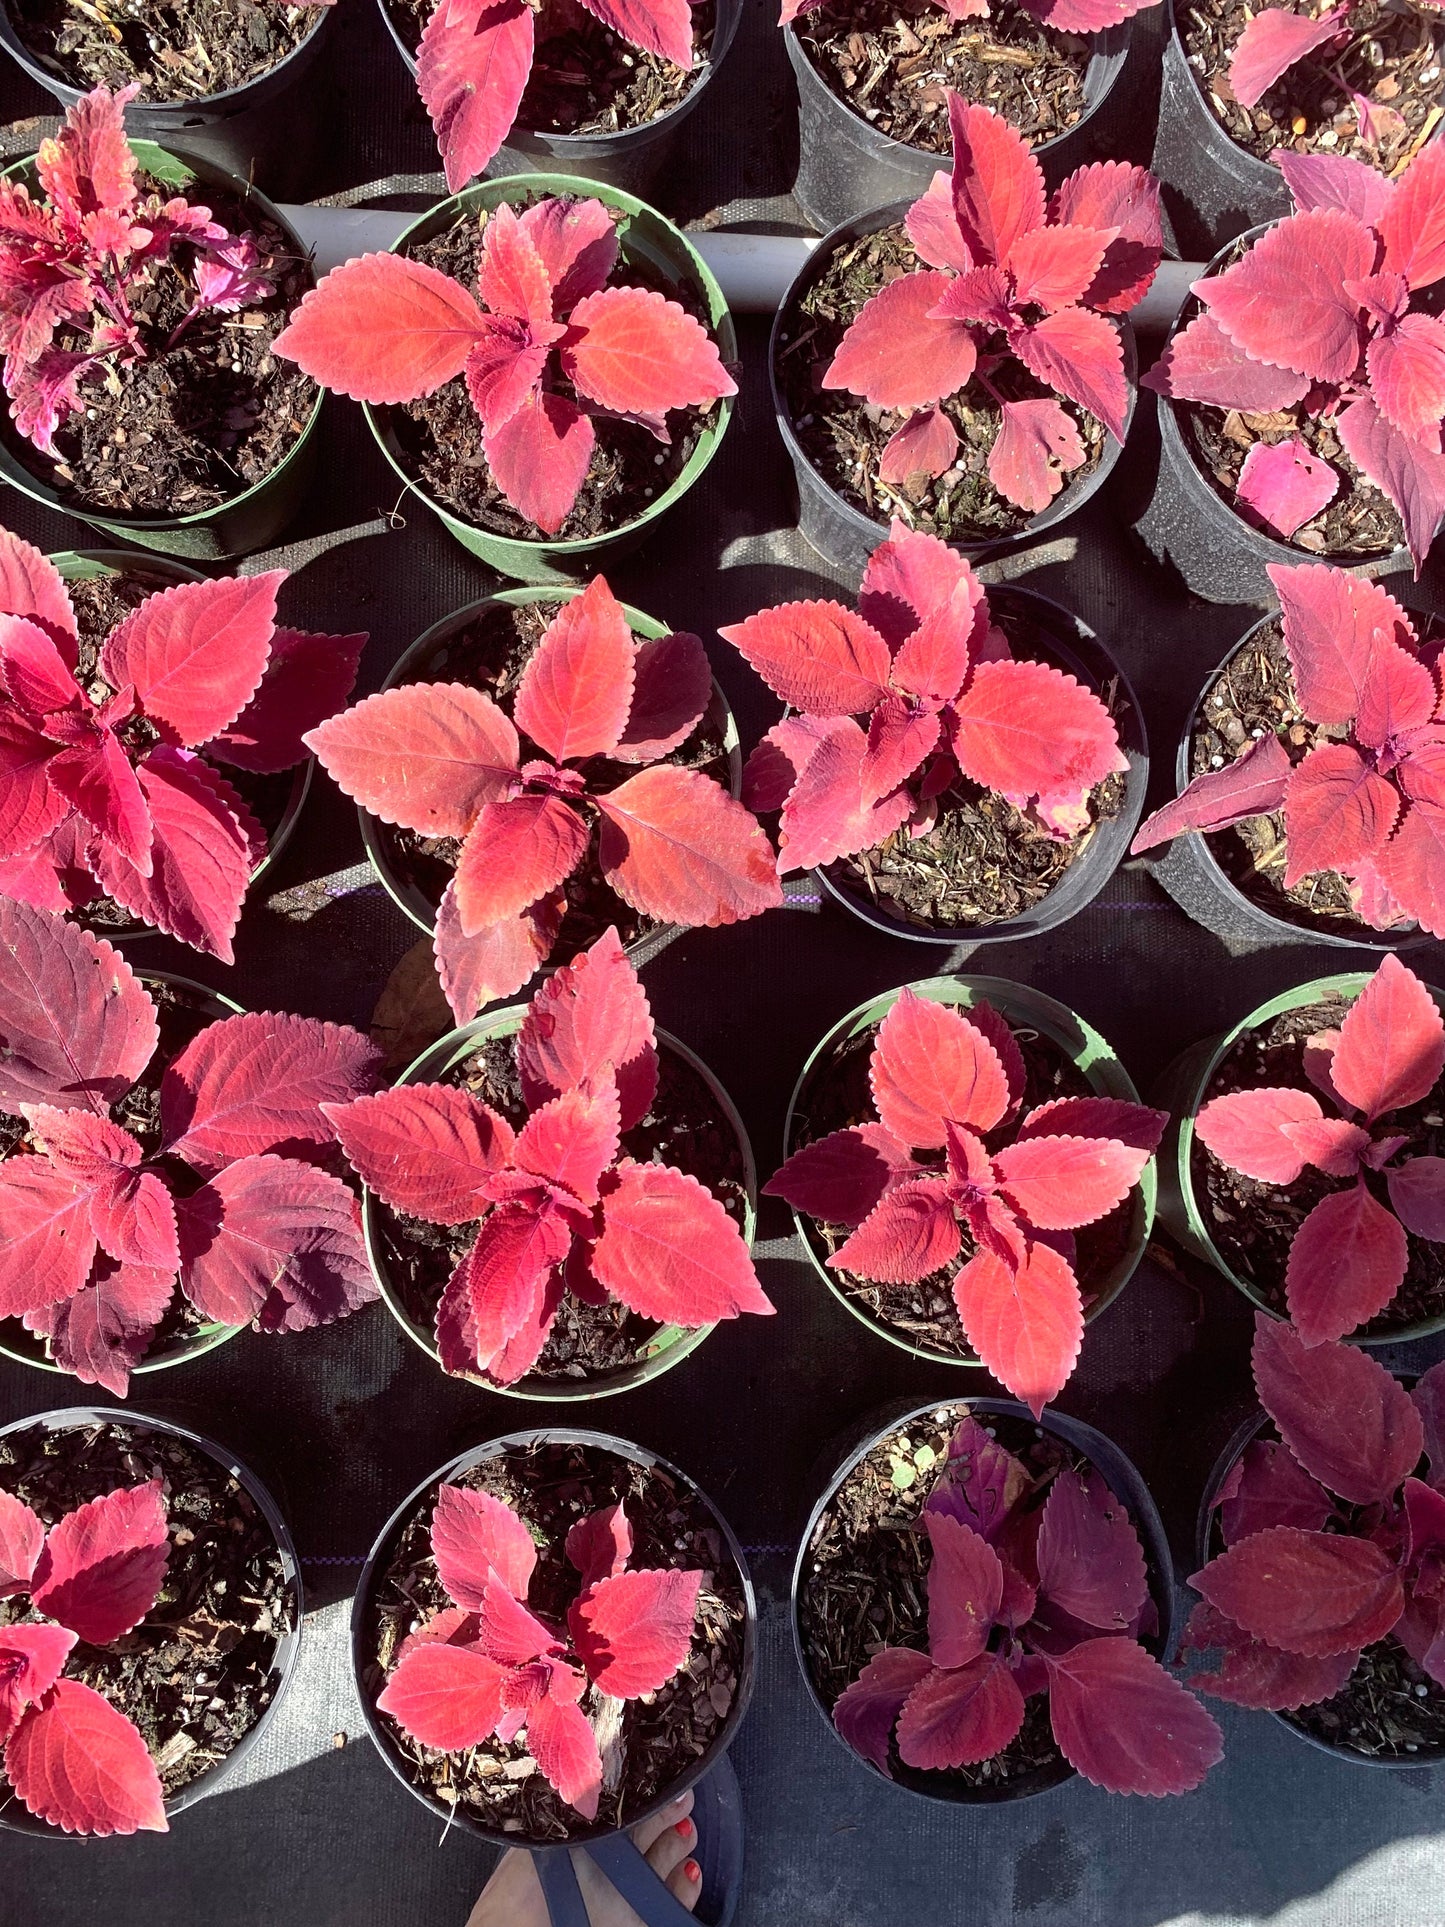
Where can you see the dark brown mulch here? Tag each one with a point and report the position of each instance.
(490, 654)
(893, 64)
(657, 1739)
(1392, 54)
(440, 437)
(684, 1127)
(197, 1673)
(1253, 1223)
(837, 1097)
(843, 436)
(176, 49)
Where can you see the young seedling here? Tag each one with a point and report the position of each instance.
(1334, 1539)
(1318, 315)
(487, 1667)
(444, 759)
(108, 778)
(1064, 16)
(231, 1205)
(1010, 276)
(560, 1208)
(544, 344)
(1349, 1256)
(1368, 803)
(946, 1081)
(1027, 1598)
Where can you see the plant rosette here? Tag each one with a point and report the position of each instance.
(121, 408)
(544, 361)
(1305, 1164)
(560, 1198)
(553, 1637)
(1322, 1551)
(971, 1174)
(563, 712)
(1026, 1586)
(163, 1177)
(150, 1617)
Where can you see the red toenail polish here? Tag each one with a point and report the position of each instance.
(692, 1869)
(686, 1829)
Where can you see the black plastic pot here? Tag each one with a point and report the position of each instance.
(14, 1818)
(362, 1659)
(843, 534)
(1207, 1544)
(631, 159)
(1083, 655)
(845, 166)
(1127, 1485)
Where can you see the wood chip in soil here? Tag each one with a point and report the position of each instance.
(660, 1737)
(843, 436)
(176, 49)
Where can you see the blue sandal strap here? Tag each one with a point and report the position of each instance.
(638, 1885)
(561, 1895)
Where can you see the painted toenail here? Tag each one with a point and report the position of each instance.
(686, 1829)
(692, 1870)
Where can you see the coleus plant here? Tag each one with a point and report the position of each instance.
(1369, 803)
(892, 705)
(1277, 38)
(1333, 1534)
(73, 1758)
(88, 256)
(232, 1207)
(1010, 275)
(560, 1208)
(109, 784)
(486, 1666)
(1348, 1258)
(948, 1085)
(1064, 16)
(544, 344)
(1318, 315)
(445, 760)
(1026, 1598)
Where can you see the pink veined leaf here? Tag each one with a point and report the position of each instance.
(672, 688)
(78, 1027)
(1391, 1047)
(89, 165)
(1333, 623)
(909, 1234)
(496, 1290)
(866, 1711)
(1245, 1130)
(818, 656)
(426, 756)
(101, 1567)
(930, 1063)
(195, 653)
(1269, 1487)
(1385, 297)
(1053, 266)
(30, 808)
(32, 588)
(839, 1178)
(632, 1632)
(1059, 1183)
(898, 353)
(1101, 1117)
(49, 1245)
(34, 669)
(425, 1149)
(997, 185)
(577, 241)
(965, 1590)
(130, 1211)
(576, 691)
(1339, 811)
(22, 1534)
(472, 68)
(1343, 1416)
(1126, 1724)
(1079, 353)
(1027, 729)
(512, 278)
(522, 1350)
(1316, 1593)
(1026, 1322)
(539, 458)
(960, 1716)
(1331, 1144)
(519, 850)
(102, 1333)
(824, 814)
(633, 350)
(1412, 475)
(308, 678)
(1398, 701)
(669, 1251)
(509, 1632)
(1406, 364)
(78, 1763)
(921, 450)
(658, 26)
(1334, 180)
(933, 661)
(562, 1742)
(1083, 16)
(600, 1544)
(1412, 221)
(476, 1538)
(1412, 867)
(45, 393)
(1037, 445)
(383, 329)
(1346, 1263)
(96, 776)
(572, 1140)
(981, 1482)
(933, 228)
(676, 846)
(31, 1658)
(446, 1696)
(1283, 482)
(497, 961)
(1201, 363)
(1271, 44)
(1115, 194)
(1284, 303)
(899, 738)
(589, 1019)
(505, 366)
(982, 294)
(1257, 1675)
(1091, 1563)
(1417, 1192)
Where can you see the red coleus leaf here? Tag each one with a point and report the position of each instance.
(899, 738)
(1271, 44)
(512, 278)
(908, 1235)
(672, 687)
(426, 1149)
(576, 690)
(564, 1746)
(589, 1019)
(445, 1695)
(1252, 1673)
(1392, 1043)
(1339, 811)
(996, 185)
(29, 807)
(49, 1245)
(1037, 445)
(1284, 302)
(1091, 1564)
(1411, 868)
(632, 1632)
(659, 26)
(78, 1028)
(472, 68)
(101, 1567)
(1346, 1263)
(1026, 1322)
(1343, 1416)
(1334, 180)
(539, 457)
(31, 1658)
(382, 329)
(1397, 699)
(965, 1590)
(78, 1763)
(307, 679)
(923, 448)
(496, 1289)
(1283, 482)
(839, 1178)
(1253, 785)
(476, 970)
(1028, 730)
(519, 850)
(668, 1250)
(633, 350)
(1126, 1724)
(818, 656)
(866, 1711)
(1411, 475)
(1406, 365)
(600, 1544)
(577, 241)
(96, 777)
(1053, 266)
(1079, 353)
(33, 668)
(676, 846)
(959, 1716)
(195, 653)
(476, 1539)
(1058, 1183)
(1103, 1117)
(1428, 1398)
(105, 1330)
(1247, 1131)
(1114, 194)
(981, 1482)
(1417, 1194)
(1315, 1593)
(572, 1140)
(908, 579)
(900, 352)
(1424, 1524)
(1331, 1144)
(426, 756)
(505, 366)
(1201, 363)
(930, 1065)
(1267, 1486)
(1333, 624)
(1412, 221)
(32, 588)
(22, 1534)
(130, 1211)
(826, 814)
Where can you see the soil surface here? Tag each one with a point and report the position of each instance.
(490, 654)
(893, 64)
(837, 1097)
(1390, 52)
(439, 437)
(1253, 1223)
(659, 1738)
(843, 435)
(176, 49)
(685, 1127)
(196, 1675)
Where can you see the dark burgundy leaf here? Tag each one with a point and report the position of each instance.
(1090, 1561)
(1125, 1723)
(1316, 1593)
(959, 1717)
(1269, 1487)
(1254, 1674)
(839, 1178)
(1344, 1417)
(865, 1713)
(77, 1027)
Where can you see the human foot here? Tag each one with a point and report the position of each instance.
(513, 1895)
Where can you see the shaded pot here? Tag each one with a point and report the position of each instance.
(669, 1344)
(1127, 1485)
(1084, 656)
(841, 533)
(1181, 1091)
(1023, 1006)
(362, 1658)
(630, 159)
(14, 1817)
(845, 166)
(645, 235)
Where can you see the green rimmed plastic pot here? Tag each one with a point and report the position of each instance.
(646, 235)
(1181, 1090)
(405, 894)
(670, 1344)
(28, 1348)
(1025, 1008)
(232, 528)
